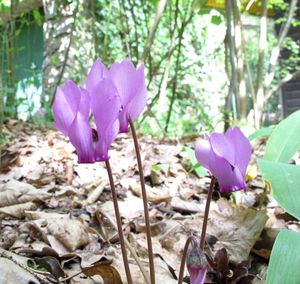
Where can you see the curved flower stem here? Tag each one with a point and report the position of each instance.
(183, 259)
(145, 202)
(119, 222)
(205, 218)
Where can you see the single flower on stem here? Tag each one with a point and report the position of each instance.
(130, 82)
(71, 110)
(226, 156)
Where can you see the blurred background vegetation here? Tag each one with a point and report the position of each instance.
(209, 63)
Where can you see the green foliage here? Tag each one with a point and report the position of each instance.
(195, 166)
(285, 259)
(284, 141)
(284, 182)
(260, 133)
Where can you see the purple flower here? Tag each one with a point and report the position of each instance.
(105, 104)
(197, 264)
(71, 116)
(131, 86)
(226, 156)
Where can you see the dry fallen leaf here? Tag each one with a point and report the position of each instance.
(15, 192)
(109, 274)
(63, 232)
(135, 187)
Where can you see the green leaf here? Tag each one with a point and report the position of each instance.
(161, 167)
(263, 132)
(216, 20)
(38, 17)
(199, 170)
(285, 259)
(284, 182)
(284, 141)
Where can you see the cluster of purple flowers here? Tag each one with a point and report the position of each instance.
(112, 96)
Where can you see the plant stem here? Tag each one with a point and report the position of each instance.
(205, 218)
(119, 222)
(183, 258)
(129, 247)
(145, 202)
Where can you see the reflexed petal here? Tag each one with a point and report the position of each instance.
(222, 147)
(138, 102)
(242, 148)
(97, 73)
(80, 135)
(67, 100)
(84, 106)
(202, 152)
(229, 177)
(105, 104)
(124, 76)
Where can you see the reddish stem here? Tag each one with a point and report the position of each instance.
(206, 212)
(183, 259)
(145, 202)
(119, 222)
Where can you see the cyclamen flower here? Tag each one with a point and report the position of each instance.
(71, 116)
(226, 156)
(131, 86)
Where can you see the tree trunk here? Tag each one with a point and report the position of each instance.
(10, 51)
(260, 67)
(58, 31)
(159, 12)
(229, 41)
(241, 85)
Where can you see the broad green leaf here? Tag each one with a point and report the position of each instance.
(284, 141)
(285, 259)
(263, 132)
(196, 167)
(284, 182)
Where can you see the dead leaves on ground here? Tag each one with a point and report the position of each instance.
(50, 208)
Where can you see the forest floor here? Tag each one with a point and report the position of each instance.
(57, 214)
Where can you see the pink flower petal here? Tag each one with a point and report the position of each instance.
(242, 148)
(65, 107)
(229, 177)
(105, 104)
(139, 100)
(131, 86)
(80, 135)
(97, 73)
(222, 147)
(202, 152)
